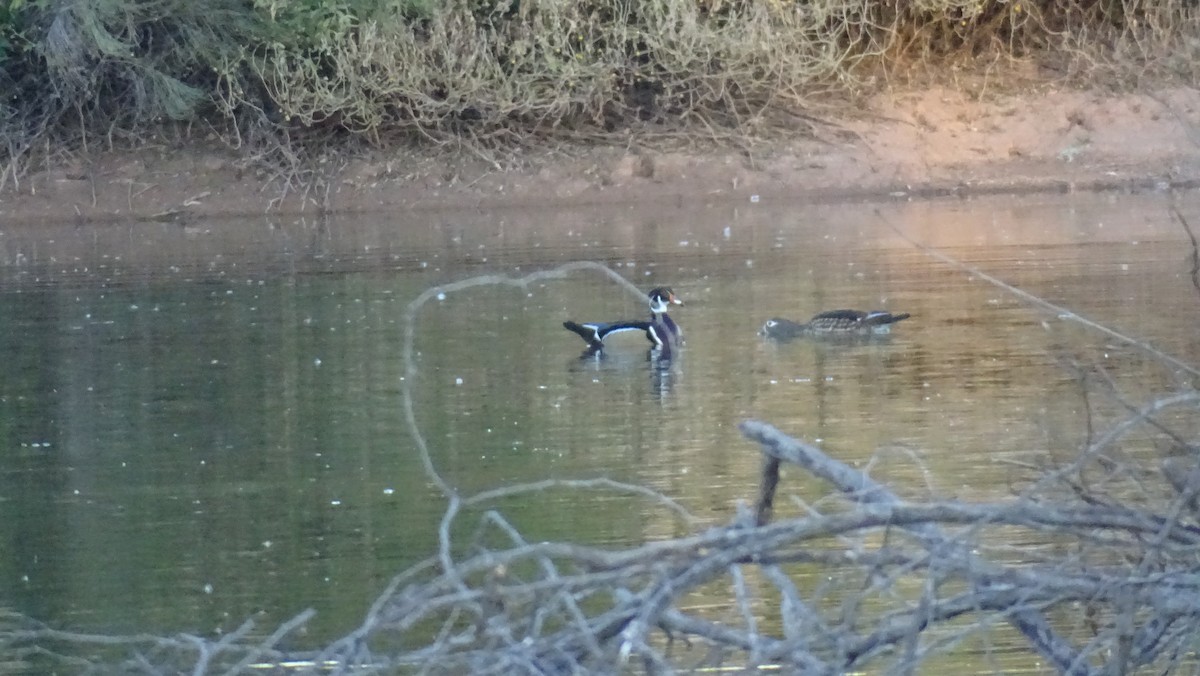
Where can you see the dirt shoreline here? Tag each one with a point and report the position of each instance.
(924, 143)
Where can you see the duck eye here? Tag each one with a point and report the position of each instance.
(771, 322)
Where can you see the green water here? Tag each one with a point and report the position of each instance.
(204, 425)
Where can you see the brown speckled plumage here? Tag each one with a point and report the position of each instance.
(833, 322)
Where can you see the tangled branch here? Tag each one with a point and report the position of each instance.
(1103, 585)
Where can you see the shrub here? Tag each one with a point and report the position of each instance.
(557, 64)
(109, 64)
(11, 16)
(503, 71)
(511, 69)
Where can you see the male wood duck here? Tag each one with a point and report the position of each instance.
(833, 323)
(660, 329)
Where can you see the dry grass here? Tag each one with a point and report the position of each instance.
(562, 67)
(569, 68)
(466, 73)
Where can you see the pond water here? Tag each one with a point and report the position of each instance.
(202, 424)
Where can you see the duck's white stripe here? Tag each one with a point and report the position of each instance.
(653, 333)
(621, 329)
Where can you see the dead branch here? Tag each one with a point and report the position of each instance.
(897, 582)
(564, 608)
(1195, 257)
(1059, 311)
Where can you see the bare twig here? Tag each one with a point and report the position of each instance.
(1195, 247)
(906, 580)
(1061, 312)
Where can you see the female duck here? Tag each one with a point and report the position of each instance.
(660, 329)
(833, 323)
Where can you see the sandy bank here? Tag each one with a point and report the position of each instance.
(932, 142)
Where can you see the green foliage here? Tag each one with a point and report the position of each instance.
(319, 24)
(147, 60)
(307, 24)
(113, 64)
(13, 15)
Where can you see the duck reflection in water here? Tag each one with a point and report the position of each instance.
(661, 365)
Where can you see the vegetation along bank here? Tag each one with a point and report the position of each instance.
(321, 98)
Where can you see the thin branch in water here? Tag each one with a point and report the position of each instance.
(271, 641)
(766, 490)
(1195, 247)
(592, 484)
(1059, 310)
(411, 373)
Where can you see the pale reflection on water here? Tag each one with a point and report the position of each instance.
(204, 424)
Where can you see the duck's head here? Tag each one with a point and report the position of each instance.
(779, 329)
(661, 298)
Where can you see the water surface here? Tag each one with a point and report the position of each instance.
(203, 424)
